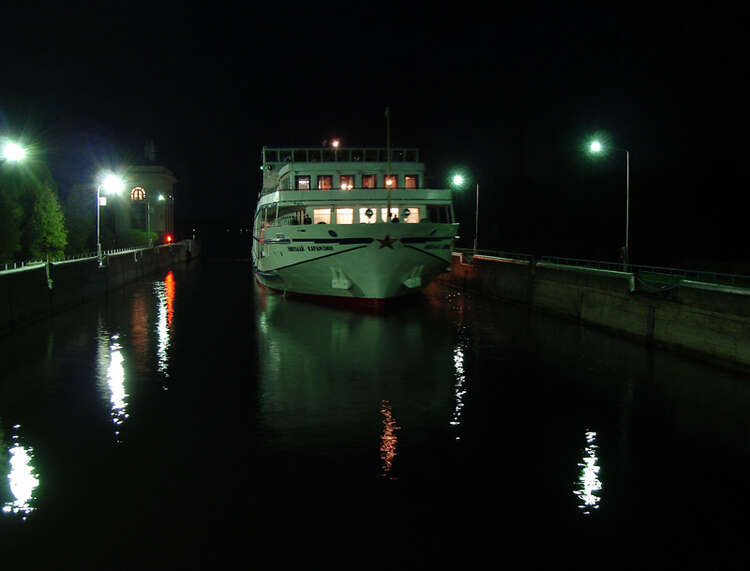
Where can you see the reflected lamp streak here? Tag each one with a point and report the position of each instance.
(389, 439)
(588, 480)
(23, 480)
(162, 327)
(460, 391)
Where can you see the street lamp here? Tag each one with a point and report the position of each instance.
(458, 182)
(111, 184)
(596, 147)
(13, 152)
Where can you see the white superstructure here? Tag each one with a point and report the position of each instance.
(322, 225)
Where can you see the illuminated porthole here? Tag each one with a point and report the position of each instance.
(138, 193)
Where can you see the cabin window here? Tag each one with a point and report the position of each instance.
(138, 193)
(302, 182)
(344, 215)
(410, 214)
(369, 180)
(394, 213)
(325, 182)
(367, 215)
(411, 181)
(391, 181)
(346, 181)
(321, 216)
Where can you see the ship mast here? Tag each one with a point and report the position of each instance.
(388, 162)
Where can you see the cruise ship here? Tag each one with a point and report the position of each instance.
(349, 223)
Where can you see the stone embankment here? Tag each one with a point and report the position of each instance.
(707, 320)
(30, 294)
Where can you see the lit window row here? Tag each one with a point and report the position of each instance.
(347, 181)
(366, 215)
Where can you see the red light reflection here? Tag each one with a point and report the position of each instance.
(169, 291)
(388, 440)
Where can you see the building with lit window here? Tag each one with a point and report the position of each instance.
(150, 199)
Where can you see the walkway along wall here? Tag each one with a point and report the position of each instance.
(28, 295)
(707, 320)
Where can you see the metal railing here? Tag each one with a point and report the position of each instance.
(28, 264)
(655, 275)
(662, 274)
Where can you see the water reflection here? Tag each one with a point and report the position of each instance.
(459, 390)
(389, 439)
(588, 480)
(22, 478)
(112, 376)
(321, 368)
(164, 291)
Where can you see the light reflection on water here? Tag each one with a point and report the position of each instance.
(460, 391)
(22, 478)
(111, 374)
(327, 373)
(389, 439)
(588, 480)
(164, 291)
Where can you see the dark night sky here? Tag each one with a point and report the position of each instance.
(510, 97)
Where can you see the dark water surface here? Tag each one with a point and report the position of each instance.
(194, 421)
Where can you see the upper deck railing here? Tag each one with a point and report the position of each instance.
(328, 154)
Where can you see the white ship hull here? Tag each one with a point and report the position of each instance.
(361, 262)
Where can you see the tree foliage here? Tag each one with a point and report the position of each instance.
(47, 233)
(32, 224)
(11, 215)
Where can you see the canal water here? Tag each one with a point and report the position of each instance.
(192, 420)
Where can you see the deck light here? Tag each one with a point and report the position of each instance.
(335, 143)
(595, 147)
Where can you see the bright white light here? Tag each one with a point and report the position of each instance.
(162, 327)
(458, 180)
(459, 390)
(116, 383)
(14, 152)
(588, 480)
(112, 184)
(23, 481)
(335, 143)
(596, 146)
(161, 197)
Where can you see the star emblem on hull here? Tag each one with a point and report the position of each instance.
(386, 242)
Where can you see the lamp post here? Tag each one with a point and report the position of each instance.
(596, 147)
(458, 181)
(111, 183)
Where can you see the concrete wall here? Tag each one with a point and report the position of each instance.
(29, 295)
(709, 321)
